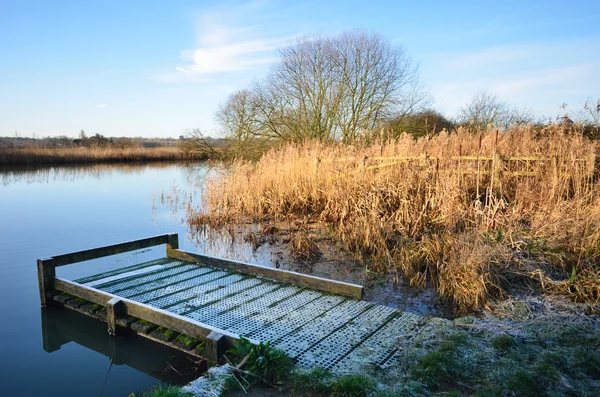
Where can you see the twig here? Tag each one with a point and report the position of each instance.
(254, 375)
(173, 368)
(244, 360)
(239, 383)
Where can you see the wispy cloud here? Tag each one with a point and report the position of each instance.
(545, 74)
(226, 45)
(101, 106)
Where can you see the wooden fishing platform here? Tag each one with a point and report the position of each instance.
(316, 321)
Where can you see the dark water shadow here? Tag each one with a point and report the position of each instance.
(61, 326)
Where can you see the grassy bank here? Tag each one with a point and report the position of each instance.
(85, 155)
(537, 349)
(474, 215)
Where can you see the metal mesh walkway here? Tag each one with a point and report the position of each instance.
(315, 328)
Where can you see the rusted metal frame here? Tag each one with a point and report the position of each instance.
(218, 340)
(303, 280)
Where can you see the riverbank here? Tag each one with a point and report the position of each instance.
(474, 216)
(529, 347)
(86, 155)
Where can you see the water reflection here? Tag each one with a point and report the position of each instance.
(63, 326)
(44, 175)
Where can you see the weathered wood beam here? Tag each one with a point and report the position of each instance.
(303, 280)
(74, 257)
(163, 318)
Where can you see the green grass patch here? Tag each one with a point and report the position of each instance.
(311, 383)
(503, 342)
(353, 386)
(442, 368)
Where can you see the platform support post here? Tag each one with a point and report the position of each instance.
(114, 308)
(46, 275)
(214, 346)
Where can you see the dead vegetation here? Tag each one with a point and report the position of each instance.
(86, 155)
(470, 214)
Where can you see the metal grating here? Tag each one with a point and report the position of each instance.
(138, 280)
(163, 282)
(185, 290)
(310, 334)
(122, 270)
(335, 347)
(290, 321)
(219, 294)
(242, 321)
(380, 350)
(225, 312)
(315, 328)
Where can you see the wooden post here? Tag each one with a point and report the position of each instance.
(172, 241)
(114, 308)
(214, 346)
(46, 275)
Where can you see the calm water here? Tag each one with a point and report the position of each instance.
(59, 210)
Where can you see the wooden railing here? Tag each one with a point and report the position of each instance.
(47, 266)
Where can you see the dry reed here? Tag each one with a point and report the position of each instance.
(469, 214)
(84, 155)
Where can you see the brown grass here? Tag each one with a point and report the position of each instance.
(471, 228)
(83, 155)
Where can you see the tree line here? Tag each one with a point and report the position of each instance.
(339, 88)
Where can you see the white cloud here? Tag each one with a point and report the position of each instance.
(224, 45)
(101, 106)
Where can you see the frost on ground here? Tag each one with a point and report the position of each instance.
(211, 384)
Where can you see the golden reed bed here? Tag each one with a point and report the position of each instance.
(40, 156)
(471, 214)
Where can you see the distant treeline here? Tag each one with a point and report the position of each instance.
(24, 151)
(94, 141)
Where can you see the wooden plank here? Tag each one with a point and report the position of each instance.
(99, 252)
(46, 275)
(163, 318)
(303, 280)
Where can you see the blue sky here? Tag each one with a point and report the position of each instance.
(159, 68)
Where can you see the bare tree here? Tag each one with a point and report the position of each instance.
(485, 109)
(237, 118)
(328, 88)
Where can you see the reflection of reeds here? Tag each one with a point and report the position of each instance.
(29, 175)
(469, 214)
(39, 156)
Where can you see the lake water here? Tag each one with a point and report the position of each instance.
(51, 211)
(58, 210)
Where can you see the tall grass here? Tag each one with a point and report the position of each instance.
(42, 156)
(470, 227)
